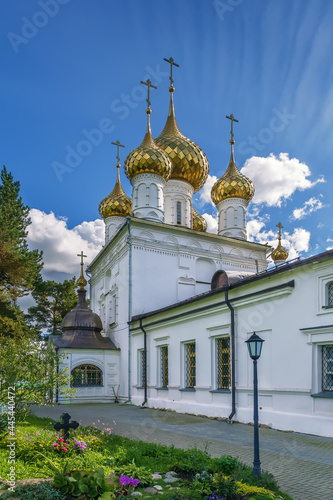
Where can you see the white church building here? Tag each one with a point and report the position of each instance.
(173, 305)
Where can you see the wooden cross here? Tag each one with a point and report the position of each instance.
(118, 144)
(279, 225)
(233, 119)
(149, 84)
(66, 425)
(172, 63)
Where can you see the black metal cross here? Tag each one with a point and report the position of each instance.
(172, 63)
(149, 84)
(118, 144)
(66, 425)
(233, 119)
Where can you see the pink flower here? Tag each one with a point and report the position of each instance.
(55, 444)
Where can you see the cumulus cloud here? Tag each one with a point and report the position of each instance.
(295, 243)
(61, 245)
(276, 178)
(212, 223)
(204, 193)
(309, 206)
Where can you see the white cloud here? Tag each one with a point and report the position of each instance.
(309, 206)
(204, 193)
(212, 222)
(61, 245)
(295, 243)
(276, 178)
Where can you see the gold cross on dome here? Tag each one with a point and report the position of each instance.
(233, 119)
(81, 255)
(279, 225)
(149, 84)
(172, 63)
(118, 145)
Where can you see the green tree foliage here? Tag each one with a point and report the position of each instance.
(28, 373)
(53, 302)
(19, 267)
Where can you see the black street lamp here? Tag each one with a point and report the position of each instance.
(254, 344)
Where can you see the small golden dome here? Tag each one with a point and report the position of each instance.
(233, 184)
(280, 253)
(147, 158)
(199, 223)
(117, 202)
(189, 162)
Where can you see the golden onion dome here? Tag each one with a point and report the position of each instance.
(199, 223)
(280, 253)
(117, 202)
(189, 162)
(233, 184)
(147, 158)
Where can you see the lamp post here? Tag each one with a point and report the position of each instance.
(254, 344)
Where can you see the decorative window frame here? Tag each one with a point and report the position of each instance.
(140, 369)
(217, 332)
(323, 283)
(318, 337)
(160, 368)
(184, 371)
(93, 365)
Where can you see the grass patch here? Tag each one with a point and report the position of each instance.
(105, 461)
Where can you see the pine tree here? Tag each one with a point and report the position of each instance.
(19, 267)
(53, 302)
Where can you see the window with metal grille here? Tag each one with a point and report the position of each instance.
(223, 363)
(179, 212)
(330, 294)
(327, 367)
(142, 368)
(164, 366)
(86, 375)
(190, 365)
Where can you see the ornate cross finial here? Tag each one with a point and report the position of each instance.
(81, 281)
(118, 145)
(172, 63)
(279, 225)
(149, 84)
(233, 119)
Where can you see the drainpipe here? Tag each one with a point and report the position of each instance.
(145, 361)
(128, 241)
(233, 367)
(57, 388)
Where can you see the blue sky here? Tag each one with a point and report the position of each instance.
(70, 67)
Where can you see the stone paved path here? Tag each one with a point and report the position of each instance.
(302, 464)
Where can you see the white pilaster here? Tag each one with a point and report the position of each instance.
(112, 223)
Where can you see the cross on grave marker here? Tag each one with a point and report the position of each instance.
(66, 425)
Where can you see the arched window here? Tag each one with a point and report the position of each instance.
(86, 375)
(330, 294)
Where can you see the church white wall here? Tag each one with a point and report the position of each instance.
(147, 196)
(232, 217)
(178, 203)
(107, 361)
(168, 264)
(294, 327)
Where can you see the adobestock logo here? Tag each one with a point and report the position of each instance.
(40, 19)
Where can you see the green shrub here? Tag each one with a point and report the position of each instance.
(226, 464)
(40, 491)
(266, 480)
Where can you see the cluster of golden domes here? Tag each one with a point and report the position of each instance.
(173, 156)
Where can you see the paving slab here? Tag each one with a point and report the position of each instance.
(301, 463)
